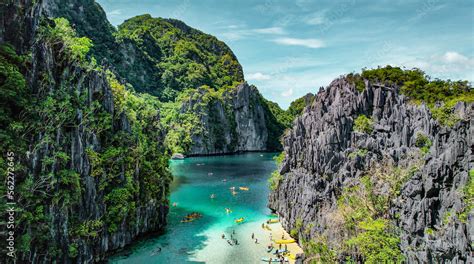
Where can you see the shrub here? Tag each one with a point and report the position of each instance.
(279, 159)
(274, 180)
(376, 243)
(363, 124)
(358, 153)
(468, 197)
(63, 34)
(423, 142)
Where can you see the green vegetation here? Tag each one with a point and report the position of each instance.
(440, 95)
(468, 197)
(319, 251)
(274, 180)
(280, 158)
(276, 121)
(363, 124)
(358, 153)
(295, 231)
(297, 106)
(128, 163)
(363, 218)
(276, 177)
(184, 57)
(63, 37)
(429, 231)
(423, 142)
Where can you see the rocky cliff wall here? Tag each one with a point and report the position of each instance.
(81, 193)
(232, 123)
(325, 156)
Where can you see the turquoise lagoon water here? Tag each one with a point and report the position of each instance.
(200, 241)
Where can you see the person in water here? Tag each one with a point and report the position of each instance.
(256, 241)
(223, 236)
(253, 235)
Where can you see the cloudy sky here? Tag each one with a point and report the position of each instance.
(291, 47)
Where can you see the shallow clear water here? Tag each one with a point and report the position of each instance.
(200, 241)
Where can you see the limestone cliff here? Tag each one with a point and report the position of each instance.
(91, 171)
(327, 159)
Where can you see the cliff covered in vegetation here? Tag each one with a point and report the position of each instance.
(90, 169)
(379, 169)
(174, 62)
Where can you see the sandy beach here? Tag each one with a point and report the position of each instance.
(277, 232)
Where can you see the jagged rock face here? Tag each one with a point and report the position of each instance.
(234, 124)
(317, 167)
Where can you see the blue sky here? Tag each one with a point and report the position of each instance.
(290, 48)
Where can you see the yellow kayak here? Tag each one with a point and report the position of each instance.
(272, 221)
(240, 220)
(290, 256)
(244, 188)
(285, 241)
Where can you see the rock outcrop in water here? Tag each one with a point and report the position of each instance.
(326, 157)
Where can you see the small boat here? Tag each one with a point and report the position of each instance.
(272, 221)
(212, 196)
(273, 260)
(234, 193)
(244, 188)
(177, 156)
(210, 174)
(228, 211)
(240, 220)
(285, 241)
(268, 228)
(232, 188)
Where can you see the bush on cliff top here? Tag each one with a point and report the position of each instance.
(420, 88)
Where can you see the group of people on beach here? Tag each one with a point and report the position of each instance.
(232, 241)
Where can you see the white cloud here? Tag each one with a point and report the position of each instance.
(287, 93)
(270, 30)
(309, 43)
(236, 32)
(454, 57)
(258, 76)
(115, 12)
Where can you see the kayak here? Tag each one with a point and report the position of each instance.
(268, 228)
(272, 221)
(274, 260)
(240, 220)
(285, 241)
(244, 188)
